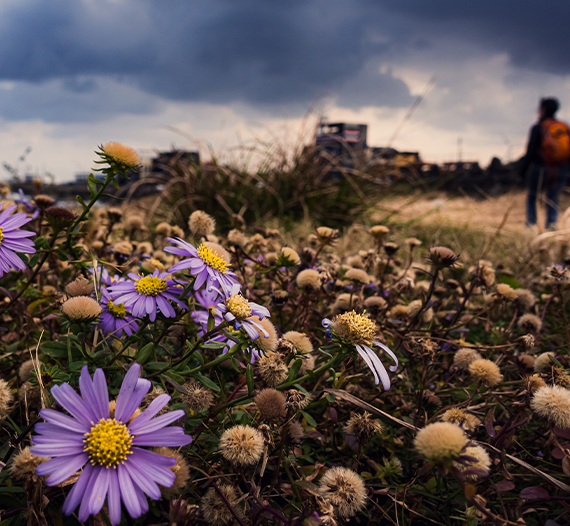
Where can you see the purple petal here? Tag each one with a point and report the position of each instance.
(99, 491)
(128, 493)
(168, 436)
(141, 480)
(114, 498)
(155, 466)
(155, 406)
(158, 423)
(73, 403)
(59, 419)
(127, 387)
(61, 468)
(78, 490)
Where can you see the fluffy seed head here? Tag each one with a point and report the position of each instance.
(123, 247)
(530, 323)
(272, 368)
(296, 432)
(242, 445)
(236, 238)
(363, 426)
(344, 489)
(442, 256)
(291, 255)
(24, 466)
(483, 462)
(215, 510)
(297, 399)
(358, 275)
(379, 232)
(163, 229)
(181, 471)
(121, 154)
(5, 398)
(266, 343)
(375, 303)
(134, 222)
(81, 308)
(552, 402)
(440, 442)
(114, 213)
(326, 235)
(199, 397)
(506, 292)
(26, 369)
(176, 231)
(525, 299)
(486, 372)
(413, 242)
(309, 278)
(43, 201)
(534, 383)
(461, 418)
(80, 287)
(354, 328)
(270, 403)
(201, 224)
(543, 363)
(465, 357)
(300, 341)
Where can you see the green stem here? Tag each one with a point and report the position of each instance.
(336, 360)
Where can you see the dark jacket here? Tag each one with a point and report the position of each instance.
(532, 155)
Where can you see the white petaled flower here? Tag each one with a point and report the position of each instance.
(359, 331)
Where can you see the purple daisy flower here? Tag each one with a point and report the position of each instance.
(204, 263)
(147, 294)
(235, 308)
(13, 240)
(31, 207)
(208, 300)
(106, 278)
(115, 467)
(115, 319)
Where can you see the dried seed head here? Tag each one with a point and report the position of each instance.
(461, 418)
(465, 357)
(543, 364)
(163, 229)
(297, 399)
(123, 247)
(300, 341)
(242, 445)
(24, 466)
(59, 217)
(391, 248)
(114, 213)
(528, 341)
(80, 287)
(505, 292)
(344, 489)
(291, 255)
(560, 273)
(236, 238)
(181, 471)
(216, 511)
(25, 372)
(552, 402)
(534, 383)
(284, 347)
(363, 427)
(413, 242)
(375, 304)
(379, 232)
(309, 278)
(81, 308)
(527, 361)
(357, 275)
(442, 257)
(44, 201)
(440, 442)
(525, 299)
(530, 323)
(198, 398)
(272, 368)
(5, 398)
(486, 372)
(354, 328)
(326, 235)
(270, 403)
(134, 222)
(424, 348)
(296, 432)
(201, 224)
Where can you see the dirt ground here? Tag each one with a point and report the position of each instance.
(485, 215)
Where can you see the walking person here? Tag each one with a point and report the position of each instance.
(546, 161)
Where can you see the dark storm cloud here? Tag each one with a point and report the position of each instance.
(263, 53)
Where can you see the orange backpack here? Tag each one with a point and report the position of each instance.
(555, 148)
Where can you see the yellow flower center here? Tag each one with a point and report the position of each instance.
(119, 311)
(1, 235)
(150, 286)
(238, 306)
(355, 328)
(108, 443)
(208, 256)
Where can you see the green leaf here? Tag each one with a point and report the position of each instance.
(145, 353)
(249, 378)
(167, 377)
(509, 280)
(215, 345)
(310, 420)
(79, 199)
(54, 349)
(294, 369)
(115, 183)
(207, 382)
(91, 183)
(34, 259)
(211, 320)
(174, 376)
(76, 366)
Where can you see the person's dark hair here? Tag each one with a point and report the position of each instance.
(549, 106)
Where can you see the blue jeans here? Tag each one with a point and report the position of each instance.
(538, 179)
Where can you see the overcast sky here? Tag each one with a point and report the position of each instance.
(161, 73)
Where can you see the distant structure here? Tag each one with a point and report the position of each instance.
(347, 144)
